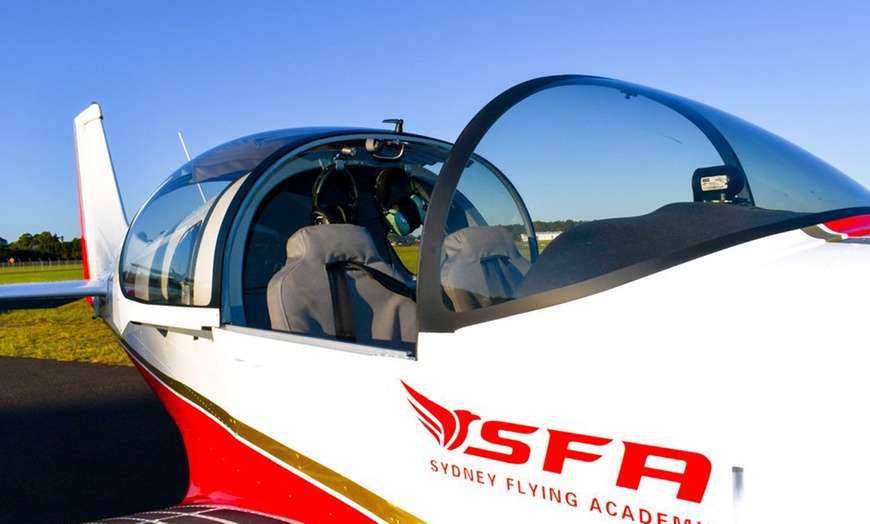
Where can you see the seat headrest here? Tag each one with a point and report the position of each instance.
(332, 243)
(479, 242)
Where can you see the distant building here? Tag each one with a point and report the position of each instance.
(542, 236)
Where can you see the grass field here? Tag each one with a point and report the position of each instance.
(54, 274)
(409, 255)
(66, 333)
(69, 333)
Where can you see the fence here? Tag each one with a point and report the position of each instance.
(36, 265)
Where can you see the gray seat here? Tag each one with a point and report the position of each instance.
(335, 285)
(482, 267)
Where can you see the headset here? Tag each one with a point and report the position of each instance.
(334, 196)
(400, 200)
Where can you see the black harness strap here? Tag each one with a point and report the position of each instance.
(396, 286)
(341, 308)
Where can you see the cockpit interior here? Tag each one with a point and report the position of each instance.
(369, 236)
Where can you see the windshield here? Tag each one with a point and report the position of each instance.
(619, 181)
(589, 152)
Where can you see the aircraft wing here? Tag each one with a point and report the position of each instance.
(200, 513)
(49, 294)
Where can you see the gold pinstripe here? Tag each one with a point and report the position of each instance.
(333, 480)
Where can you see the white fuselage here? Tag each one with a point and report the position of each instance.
(746, 357)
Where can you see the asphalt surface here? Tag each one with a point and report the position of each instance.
(83, 441)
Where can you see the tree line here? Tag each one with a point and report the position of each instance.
(541, 226)
(42, 246)
(48, 246)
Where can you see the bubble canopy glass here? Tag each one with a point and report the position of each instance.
(632, 180)
(160, 256)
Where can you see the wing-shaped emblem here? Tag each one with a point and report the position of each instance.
(449, 427)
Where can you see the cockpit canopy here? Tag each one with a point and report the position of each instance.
(159, 259)
(620, 181)
(559, 188)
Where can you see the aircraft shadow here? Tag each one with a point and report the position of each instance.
(83, 441)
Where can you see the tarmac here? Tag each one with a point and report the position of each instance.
(80, 442)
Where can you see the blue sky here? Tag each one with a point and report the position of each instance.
(218, 70)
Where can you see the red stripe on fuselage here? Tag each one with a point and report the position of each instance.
(857, 226)
(225, 470)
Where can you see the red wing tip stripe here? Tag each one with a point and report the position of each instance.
(193, 514)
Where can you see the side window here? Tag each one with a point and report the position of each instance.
(159, 256)
(179, 281)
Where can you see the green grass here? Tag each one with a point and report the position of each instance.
(409, 255)
(66, 333)
(18, 276)
(69, 333)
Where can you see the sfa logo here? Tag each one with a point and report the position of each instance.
(450, 428)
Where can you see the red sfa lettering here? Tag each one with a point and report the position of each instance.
(693, 480)
(450, 427)
(558, 449)
(491, 430)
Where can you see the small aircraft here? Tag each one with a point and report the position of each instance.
(603, 303)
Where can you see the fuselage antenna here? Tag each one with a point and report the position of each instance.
(187, 154)
(184, 146)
